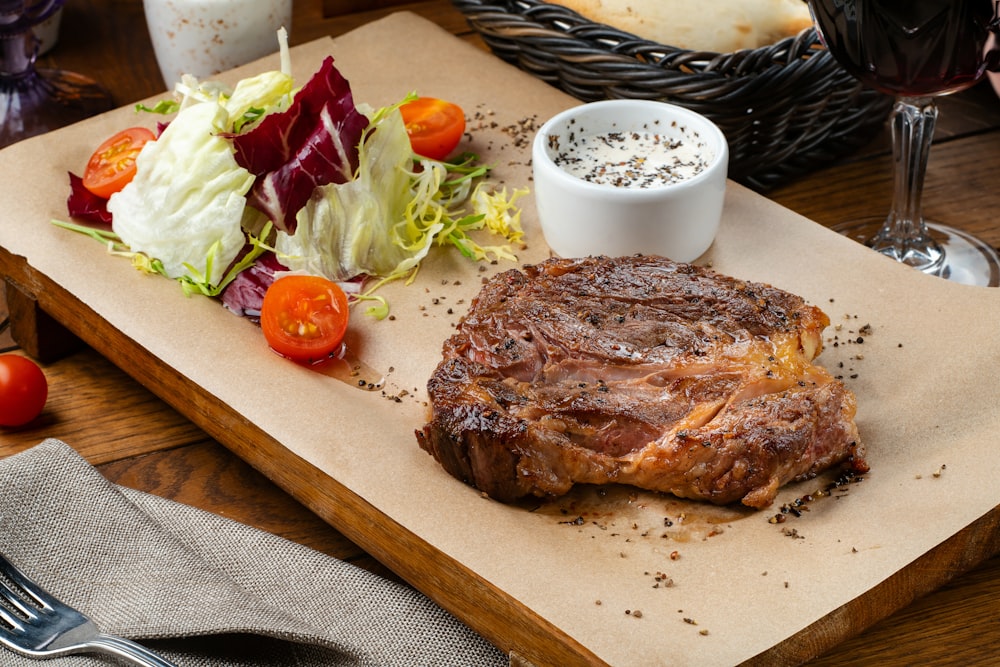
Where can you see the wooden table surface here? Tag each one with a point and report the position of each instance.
(138, 441)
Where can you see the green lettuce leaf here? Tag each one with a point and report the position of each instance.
(185, 205)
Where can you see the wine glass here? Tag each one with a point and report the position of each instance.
(915, 50)
(33, 100)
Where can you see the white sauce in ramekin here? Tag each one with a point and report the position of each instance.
(647, 158)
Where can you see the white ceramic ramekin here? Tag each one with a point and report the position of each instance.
(580, 218)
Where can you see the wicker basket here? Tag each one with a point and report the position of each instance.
(785, 109)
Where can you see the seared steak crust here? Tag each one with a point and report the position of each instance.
(641, 371)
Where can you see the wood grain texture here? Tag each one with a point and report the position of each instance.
(141, 441)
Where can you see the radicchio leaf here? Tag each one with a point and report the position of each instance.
(83, 204)
(312, 143)
(245, 295)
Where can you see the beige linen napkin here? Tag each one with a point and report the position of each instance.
(203, 590)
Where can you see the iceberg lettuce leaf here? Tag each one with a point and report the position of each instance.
(185, 205)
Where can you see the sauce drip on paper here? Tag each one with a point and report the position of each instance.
(347, 367)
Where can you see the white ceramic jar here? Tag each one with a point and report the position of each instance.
(622, 177)
(205, 37)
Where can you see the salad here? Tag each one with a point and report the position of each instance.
(242, 187)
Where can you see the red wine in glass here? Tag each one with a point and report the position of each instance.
(915, 50)
(33, 100)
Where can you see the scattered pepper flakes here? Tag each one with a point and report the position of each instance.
(661, 580)
(631, 159)
(800, 505)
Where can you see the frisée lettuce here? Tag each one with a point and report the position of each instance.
(349, 229)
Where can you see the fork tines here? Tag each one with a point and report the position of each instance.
(21, 595)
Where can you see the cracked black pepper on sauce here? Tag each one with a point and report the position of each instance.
(646, 158)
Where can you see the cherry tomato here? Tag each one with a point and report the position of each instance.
(23, 390)
(304, 317)
(435, 126)
(112, 165)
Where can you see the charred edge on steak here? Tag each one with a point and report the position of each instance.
(641, 371)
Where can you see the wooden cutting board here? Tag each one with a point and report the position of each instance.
(616, 576)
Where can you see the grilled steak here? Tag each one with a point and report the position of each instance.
(639, 371)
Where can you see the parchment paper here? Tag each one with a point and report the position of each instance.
(641, 579)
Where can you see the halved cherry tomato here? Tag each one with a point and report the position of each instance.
(304, 318)
(435, 126)
(23, 390)
(112, 165)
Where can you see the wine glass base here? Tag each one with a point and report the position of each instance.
(47, 99)
(965, 259)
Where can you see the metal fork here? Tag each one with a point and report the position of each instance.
(37, 625)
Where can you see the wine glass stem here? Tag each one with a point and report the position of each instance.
(904, 235)
(17, 54)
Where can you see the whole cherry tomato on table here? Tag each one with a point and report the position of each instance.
(23, 390)
(112, 165)
(304, 318)
(435, 126)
